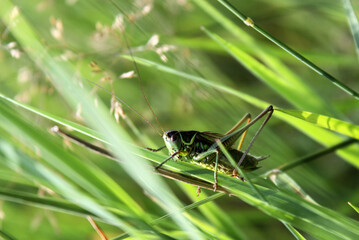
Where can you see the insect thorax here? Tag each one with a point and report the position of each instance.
(187, 143)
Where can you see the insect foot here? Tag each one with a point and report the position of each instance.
(215, 187)
(198, 191)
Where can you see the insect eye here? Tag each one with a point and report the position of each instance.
(174, 137)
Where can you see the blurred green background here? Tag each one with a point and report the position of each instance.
(87, 34)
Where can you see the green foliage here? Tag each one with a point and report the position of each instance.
(334, 124)
(201, 69)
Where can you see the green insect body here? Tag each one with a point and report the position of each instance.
(202, 148)
(190, 144)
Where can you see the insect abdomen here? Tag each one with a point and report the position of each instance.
(249, 163)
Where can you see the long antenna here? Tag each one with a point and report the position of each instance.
(137, 69)
(140, 81)
(122, 101)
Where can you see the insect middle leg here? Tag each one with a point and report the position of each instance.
(215, 185)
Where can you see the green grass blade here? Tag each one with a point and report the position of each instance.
(60, 205)
(353, 22)
(286, 183)
(64, 122)
(61, 73)
(354, 207)
(279, 78)
(214, 213)
(294, 232)
(6, 236)
(326, 122)
(295, 54)
(85, 176)
(255, 189)
(261, 71)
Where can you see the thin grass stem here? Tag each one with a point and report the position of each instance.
(316, 155)
(249, 22)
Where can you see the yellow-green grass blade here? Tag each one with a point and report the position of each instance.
(80, 174)
(62, 74)
(348, 129)
(294, 232)
(354, 207)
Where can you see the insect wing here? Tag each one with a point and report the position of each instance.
(209, 137)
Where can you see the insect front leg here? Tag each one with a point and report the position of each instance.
(164, 161)
(155, 149)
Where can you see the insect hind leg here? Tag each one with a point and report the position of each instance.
(244, 134)
(268, 110)
(247, 117)
(239, 123)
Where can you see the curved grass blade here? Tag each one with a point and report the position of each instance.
(83, 175)
(278, 78)
(66, 123)
(214, 213)
(289, 87)
(326, 122)
(270, 53)
(61, 74)
(56, 204)
(249, 22)
(353, 22)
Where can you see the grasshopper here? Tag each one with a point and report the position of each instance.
(201, 148)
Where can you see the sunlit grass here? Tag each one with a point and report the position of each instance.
(201, 69)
